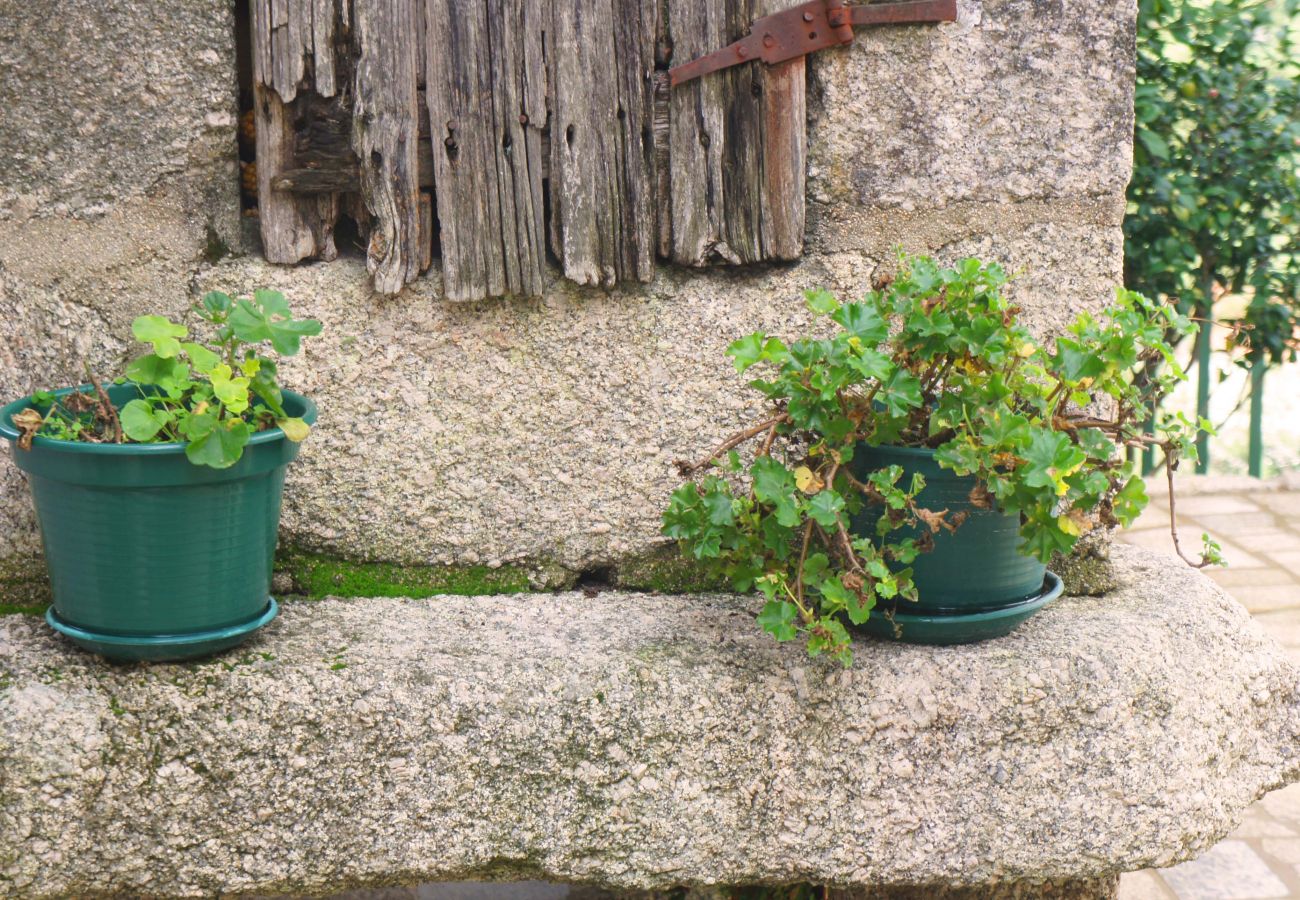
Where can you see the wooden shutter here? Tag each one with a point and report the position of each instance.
(537, 124)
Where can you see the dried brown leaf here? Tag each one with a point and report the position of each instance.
(28, 422)
(933, 520)
(979, 496)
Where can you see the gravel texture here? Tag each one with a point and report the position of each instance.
(640, 741)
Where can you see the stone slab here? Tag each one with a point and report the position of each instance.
(641, 741)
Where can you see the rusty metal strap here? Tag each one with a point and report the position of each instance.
(808, 27)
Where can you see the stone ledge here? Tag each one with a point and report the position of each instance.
(640, 741)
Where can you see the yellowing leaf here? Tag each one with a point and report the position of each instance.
(231, 391)
(807, 481)
(1068, 525)
(294, 429)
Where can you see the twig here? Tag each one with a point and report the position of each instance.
(734, 441)
(106, 405)
(1173, 528)
(803, 554)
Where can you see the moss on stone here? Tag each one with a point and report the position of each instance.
(24, 587)
(667, 570)
(316, 575)
(1087, 571)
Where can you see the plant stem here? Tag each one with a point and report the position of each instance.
(106, 405)
(733, 442)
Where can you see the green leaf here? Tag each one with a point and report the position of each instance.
(217, 303)
(718, 504)
(863, 322)
(286, 335)
(778, 618)
(271, 302)
(1154, 144)
(161, 332)
(248, 323)
(150, 369)
(825, 507)
(774, 484)
(197, 425)
(221, 447)
(821, 301)
(139, 422)
(901, 393)
(1130, 501)
(1050, 459)
(203, 359)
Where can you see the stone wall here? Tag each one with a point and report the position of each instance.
(536, 430)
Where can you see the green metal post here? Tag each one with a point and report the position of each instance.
(1205, 309)
(1149, 452)
(1258, 370)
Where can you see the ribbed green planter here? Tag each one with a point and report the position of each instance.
(149, 556)
(975, 584)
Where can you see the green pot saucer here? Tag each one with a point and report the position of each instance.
(962, 628)
(162, 647)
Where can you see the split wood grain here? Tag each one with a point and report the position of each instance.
(293, 228)
(603, 187)
(385, 128)
(736, 145)
(486, 95)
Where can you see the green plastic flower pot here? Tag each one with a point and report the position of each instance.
(975, 584)
(149, 556)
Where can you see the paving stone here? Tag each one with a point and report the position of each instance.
(1285, 850)
(1232, 578)
(1267, 598)
(1284, 627)
(1144, 885)
(1151, 539)
(1285, 502)
(1212, 504)
(1234, 524)
(1259, 824)
(1279, 540)
(1290, 561)
(1230, 870)
(1284, 804)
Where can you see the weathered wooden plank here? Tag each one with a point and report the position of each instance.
(486, 99)
(293, 228)
(736, 145)
(603, 210)
(384, 134)
(324, 18)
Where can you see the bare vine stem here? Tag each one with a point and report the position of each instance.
(734, 441)
(110, 411)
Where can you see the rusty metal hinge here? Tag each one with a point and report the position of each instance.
(810, 26)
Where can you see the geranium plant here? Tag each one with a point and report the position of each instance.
(936, 359)
(214, 394)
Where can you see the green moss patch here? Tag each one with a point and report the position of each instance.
(316, 575)
(667, 570)
(24, 587)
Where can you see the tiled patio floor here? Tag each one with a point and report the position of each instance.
(1260, 534)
